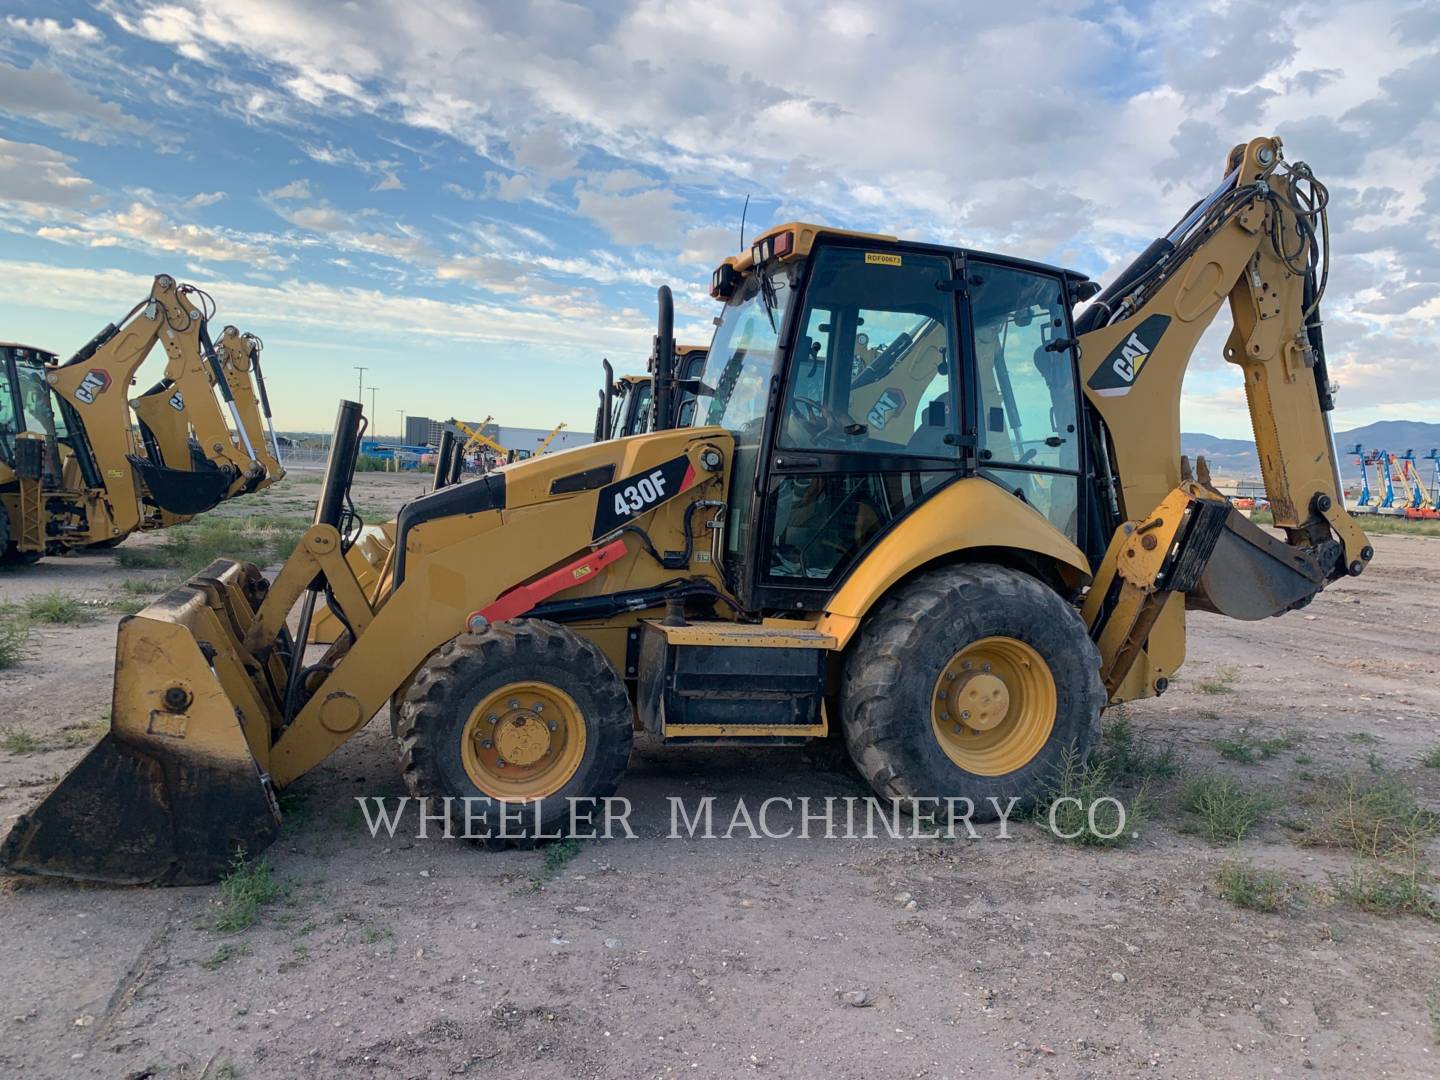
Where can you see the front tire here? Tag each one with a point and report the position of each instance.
(971, 682)
(525, 712)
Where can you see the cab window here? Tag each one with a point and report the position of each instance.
(871, 371)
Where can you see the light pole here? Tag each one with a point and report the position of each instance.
(402, 425)
(375, 417)
(361, 395)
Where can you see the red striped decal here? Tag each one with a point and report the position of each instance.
(524, 597)
(689, 477)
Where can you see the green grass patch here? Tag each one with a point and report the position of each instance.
(224, 954)
(1127, 756)
(243, 892)
(56, 608)
(189, 548)
(1378, 817)
(556, 857)
(130, 605)
(1381, 890)
(1363, 737)
(1221, 682)
(1081, 786)
(73, 735)
(368, 463)
(1384, 525)
(1431, 760)
(1254, 889)
(1224, 809)
(1247, 749)
(21, 742)
(14, 635)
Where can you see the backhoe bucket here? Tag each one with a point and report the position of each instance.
(173, 792)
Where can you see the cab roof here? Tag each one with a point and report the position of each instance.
(805, 234)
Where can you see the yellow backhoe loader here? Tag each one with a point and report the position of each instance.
(98, 479)
(957, 540)
(625, 403)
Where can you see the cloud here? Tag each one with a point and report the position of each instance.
(343, 157)
(148, 228)
(51, 33)
(646, 217)
(51, 98)
(547, 153)
(40, 177)
(203, 199)
(296, 189)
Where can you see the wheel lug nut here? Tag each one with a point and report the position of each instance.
(554, 726)
(500, 762)
(514, 704)
(485, 745)
(492, 718)
(964, 714)
(539, 706)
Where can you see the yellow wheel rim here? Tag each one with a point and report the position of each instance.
(523, 741)
(993, 707)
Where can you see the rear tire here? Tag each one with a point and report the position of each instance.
(560, 712)
(907, 659)
(9, 554)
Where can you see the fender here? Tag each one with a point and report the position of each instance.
(968, 514)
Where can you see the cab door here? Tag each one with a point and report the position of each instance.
(868, 423)
(1025, 388)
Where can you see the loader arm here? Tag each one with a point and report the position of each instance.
(1259, 242)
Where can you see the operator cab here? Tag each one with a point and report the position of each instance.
(897, 368)
(28, 404)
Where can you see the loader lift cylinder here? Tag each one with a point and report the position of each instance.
(339, 474)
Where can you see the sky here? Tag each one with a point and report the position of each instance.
(477, 201)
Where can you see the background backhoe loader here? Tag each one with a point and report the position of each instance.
(626, 404)
(956, 539)
(103, 475)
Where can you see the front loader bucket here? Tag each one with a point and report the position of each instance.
(173, 792)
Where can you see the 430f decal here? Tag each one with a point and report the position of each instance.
(628, 498)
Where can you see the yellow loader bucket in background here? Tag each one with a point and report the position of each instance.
(174, 791)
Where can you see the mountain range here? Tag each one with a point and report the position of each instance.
(1236, 458)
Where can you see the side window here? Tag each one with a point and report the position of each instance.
(872, 368)
(1025, 372)
(1025, 389)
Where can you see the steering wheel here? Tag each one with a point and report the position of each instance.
(812, 415)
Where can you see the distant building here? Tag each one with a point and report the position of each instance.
(423, 431)
(525, 441)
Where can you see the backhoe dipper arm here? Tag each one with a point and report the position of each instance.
(184, 401)
(1260, 242)
(239, 356)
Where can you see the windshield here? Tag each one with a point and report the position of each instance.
(35, 394)
(734, 388)
(735, 383)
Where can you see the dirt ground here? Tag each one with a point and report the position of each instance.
(721, 958)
